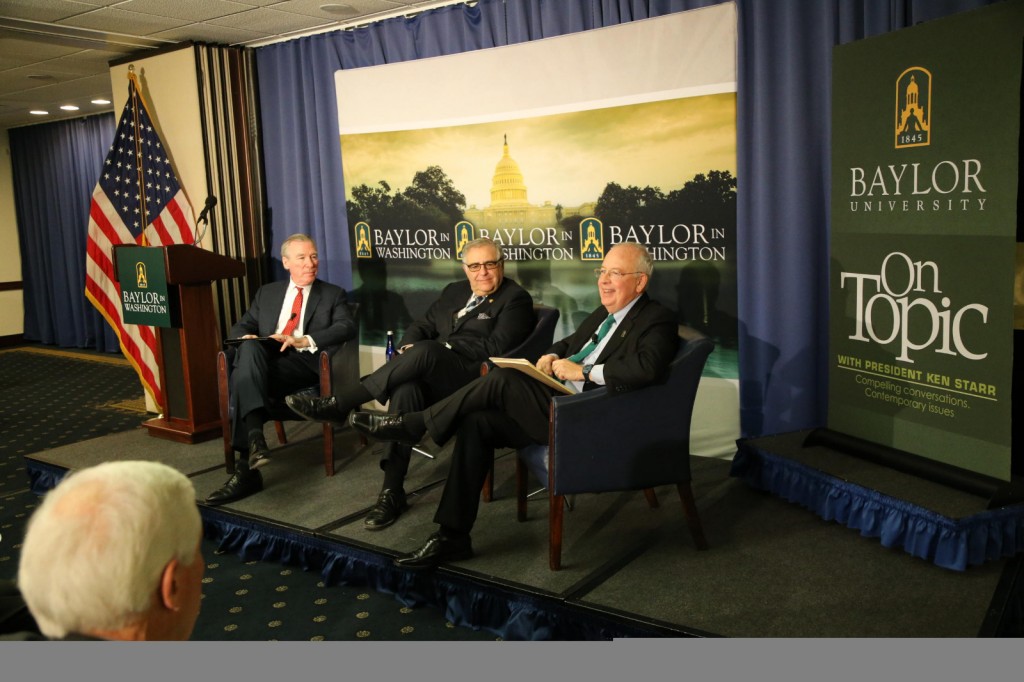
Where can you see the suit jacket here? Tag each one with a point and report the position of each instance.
(496, 326)
(328, 319)
(640, 350)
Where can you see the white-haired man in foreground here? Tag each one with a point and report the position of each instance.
(113, 553)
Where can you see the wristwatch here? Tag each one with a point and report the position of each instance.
(586, 372)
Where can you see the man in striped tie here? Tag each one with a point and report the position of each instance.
(625, 344)
(484, 315)
(287, 323)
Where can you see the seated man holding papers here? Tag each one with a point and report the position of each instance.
(625, 344)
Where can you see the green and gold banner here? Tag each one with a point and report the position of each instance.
(925, 164)
(143, 283)
(558, 150)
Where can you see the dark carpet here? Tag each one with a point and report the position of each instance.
(52, 398)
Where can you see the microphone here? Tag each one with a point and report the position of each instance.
(211, 201)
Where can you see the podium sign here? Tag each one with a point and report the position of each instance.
(143, 278)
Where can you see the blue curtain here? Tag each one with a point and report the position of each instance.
(55, 168)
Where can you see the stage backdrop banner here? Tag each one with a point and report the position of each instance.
(926, 126)
(558, 149)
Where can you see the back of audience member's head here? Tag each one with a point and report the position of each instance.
(113, 552)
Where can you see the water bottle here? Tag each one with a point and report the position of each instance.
(389, 350)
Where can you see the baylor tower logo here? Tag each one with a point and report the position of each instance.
(914, 108)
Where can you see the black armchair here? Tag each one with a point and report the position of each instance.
(335, 369)
(542, 336)
(648, 446)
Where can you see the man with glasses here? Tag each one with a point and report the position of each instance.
(625, 344)
(485, 315)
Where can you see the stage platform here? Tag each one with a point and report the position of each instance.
(773, 569)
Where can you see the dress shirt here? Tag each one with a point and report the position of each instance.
(597, 371)
(286, 313)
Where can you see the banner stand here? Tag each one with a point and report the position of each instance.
(998, 492)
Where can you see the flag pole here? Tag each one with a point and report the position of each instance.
(137, 139)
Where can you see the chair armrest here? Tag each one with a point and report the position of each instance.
(345, 359)
(627, 441)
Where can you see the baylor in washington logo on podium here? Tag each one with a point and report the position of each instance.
(914, 108)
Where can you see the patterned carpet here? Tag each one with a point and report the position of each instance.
(50, 398)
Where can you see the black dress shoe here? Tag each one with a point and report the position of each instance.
(438, 548)
(386, 427)
(242, 484)
(317, 409)
(259, 453)
(390, 505)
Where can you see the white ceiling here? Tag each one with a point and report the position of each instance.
(57, 52)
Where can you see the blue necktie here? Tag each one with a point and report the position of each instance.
(594, 340)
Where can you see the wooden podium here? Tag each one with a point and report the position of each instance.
(187, 350)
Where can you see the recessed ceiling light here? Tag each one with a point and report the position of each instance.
(39, 112)
(69, 107)
(338, 8)
(101, 101)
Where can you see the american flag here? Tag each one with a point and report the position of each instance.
(120, 214)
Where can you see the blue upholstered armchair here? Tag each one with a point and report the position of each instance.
(335, 369)
(632, 441)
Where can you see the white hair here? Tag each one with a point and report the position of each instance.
(96, 548)
(298, 237)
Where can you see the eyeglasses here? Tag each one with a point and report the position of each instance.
(489, 265)
(614, 274)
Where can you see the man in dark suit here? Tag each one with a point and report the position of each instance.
(286, 325)
(485, 315)
(625, 344)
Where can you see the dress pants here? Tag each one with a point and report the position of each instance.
(501, 410)
(260, 374)
(423, 374)
(525, 400)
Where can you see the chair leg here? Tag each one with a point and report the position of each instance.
(223, 407)
(279, 429)
(420, 451)
(652, 498)
(487, 492)
(328, 450)
(229, 452)
(521, 494)
(692, 517)
(555, 532)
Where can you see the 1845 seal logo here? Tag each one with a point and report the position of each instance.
(364, 247)
(913, 108)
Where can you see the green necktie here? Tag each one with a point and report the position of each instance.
(594, 340)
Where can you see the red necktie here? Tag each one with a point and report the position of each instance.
(293, 321)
